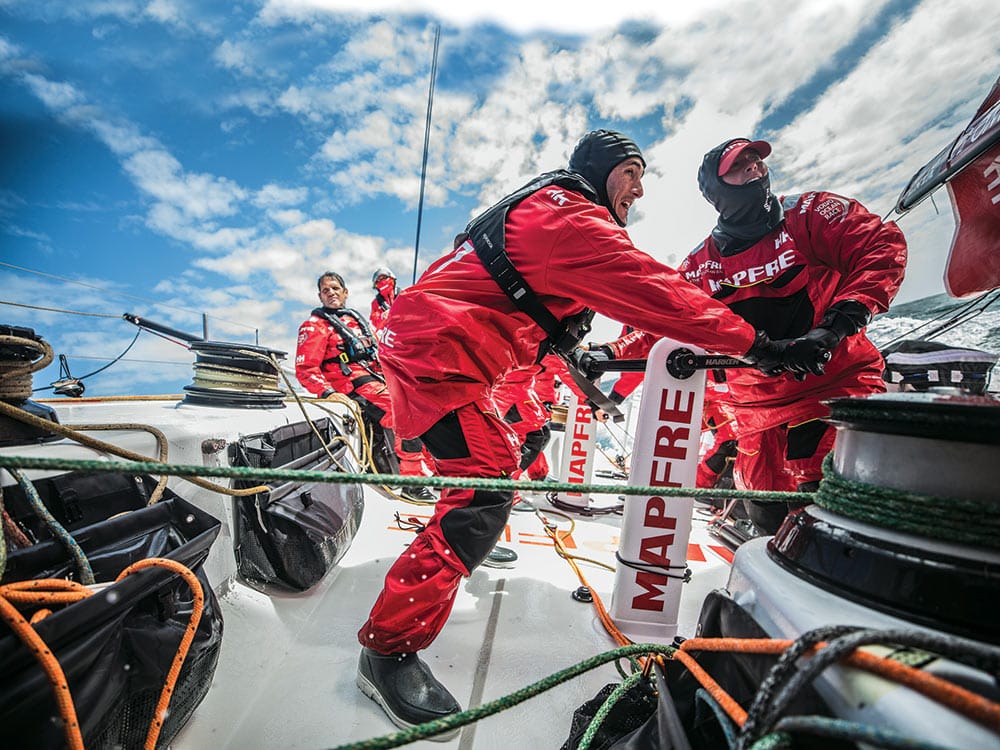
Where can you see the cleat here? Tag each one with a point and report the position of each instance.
(500, 557)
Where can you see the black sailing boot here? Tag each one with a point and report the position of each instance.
(405, 688)
(420, 494)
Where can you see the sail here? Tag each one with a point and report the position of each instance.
(970, 166)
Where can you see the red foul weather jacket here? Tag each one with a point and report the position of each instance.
(317, 357)
(452, 334)
(828, 249)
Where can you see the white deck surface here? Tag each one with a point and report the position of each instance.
(286, 673)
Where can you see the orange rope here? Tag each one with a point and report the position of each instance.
(620, 638)
(959, 699)
(955, 697)
(185, 645)
(724, 699)
(48, 662)
(58, 591)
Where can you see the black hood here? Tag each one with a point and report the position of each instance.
(596, 155)
(746, 212)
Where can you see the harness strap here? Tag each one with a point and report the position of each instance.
(486, 234)
(354, 350)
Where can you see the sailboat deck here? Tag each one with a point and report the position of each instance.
(286, 672)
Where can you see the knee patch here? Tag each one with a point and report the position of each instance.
(473, 530)
(717, 461)
(411, 445)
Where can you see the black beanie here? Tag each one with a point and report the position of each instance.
(596, 155)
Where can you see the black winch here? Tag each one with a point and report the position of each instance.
(903, 521)
(227, 375)
(235, 376)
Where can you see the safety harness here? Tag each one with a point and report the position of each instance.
(487, 235)
(353, 347)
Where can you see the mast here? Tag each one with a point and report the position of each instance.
(427, 138)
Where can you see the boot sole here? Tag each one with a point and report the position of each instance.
(372, 692)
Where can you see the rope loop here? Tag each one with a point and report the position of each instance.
(15, 375)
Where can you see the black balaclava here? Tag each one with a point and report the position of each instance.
(746, 212)
(596, 155)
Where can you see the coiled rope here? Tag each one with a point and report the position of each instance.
(949, 519)
(15, 376)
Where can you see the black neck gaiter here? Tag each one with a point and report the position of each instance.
(746, 212)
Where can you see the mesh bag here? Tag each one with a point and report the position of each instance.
(628, 714)
(116, 646)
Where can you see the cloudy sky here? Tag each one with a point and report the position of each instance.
(177, 158)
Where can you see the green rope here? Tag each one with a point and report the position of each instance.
(773, 741)
(973, 522)
(239, 472)
(605, 709)
(58, 532)
(472, 715)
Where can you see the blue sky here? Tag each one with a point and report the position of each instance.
(171, 158)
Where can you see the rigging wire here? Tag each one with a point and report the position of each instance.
(105, 290)
(427, 139)
(958, 315)
(58, 310)
(100, 369)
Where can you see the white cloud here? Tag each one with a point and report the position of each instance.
(198, 196)
(54, 94)
(271, 196)
(521, 16)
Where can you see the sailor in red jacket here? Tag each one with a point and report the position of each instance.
(384, 284)
(814, 267)
(336, 353)
(456, 331)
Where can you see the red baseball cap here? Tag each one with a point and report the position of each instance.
(736, 147)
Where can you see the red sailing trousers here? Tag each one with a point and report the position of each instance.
(420, 587)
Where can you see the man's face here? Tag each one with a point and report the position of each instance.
(747, 167)
(625, 186)
(331, 293)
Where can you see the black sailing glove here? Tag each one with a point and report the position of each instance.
(766, 355)
(811, 352)
(587, 361)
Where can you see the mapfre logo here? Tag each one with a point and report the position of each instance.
(759, 274)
